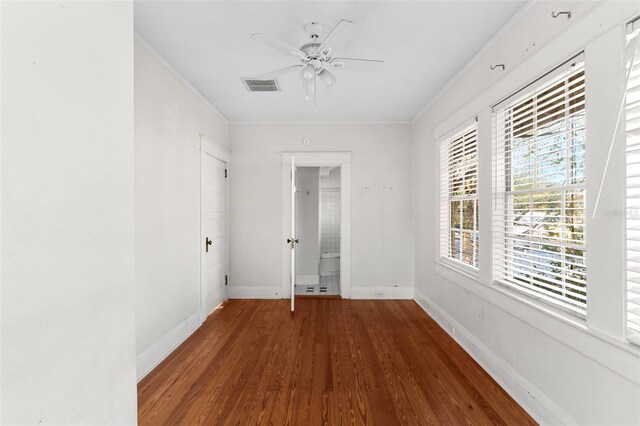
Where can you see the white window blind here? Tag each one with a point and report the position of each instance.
(539, 189)
(459, 236)
(632, 128)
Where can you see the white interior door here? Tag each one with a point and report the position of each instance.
(213, 230)
(293, 240)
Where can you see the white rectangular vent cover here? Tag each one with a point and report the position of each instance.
(254, 85)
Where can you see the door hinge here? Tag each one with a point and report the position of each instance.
(225, 173)
(226, 280)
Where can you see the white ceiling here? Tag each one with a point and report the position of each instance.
(423, 45)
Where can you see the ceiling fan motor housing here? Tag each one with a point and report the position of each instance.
(311, 49)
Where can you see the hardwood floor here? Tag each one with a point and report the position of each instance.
(333, 362)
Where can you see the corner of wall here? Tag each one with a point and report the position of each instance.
(154, 355)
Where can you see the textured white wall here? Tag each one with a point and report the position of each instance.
(67, 325)
(381, 157)
(563, 369)
(168, 120)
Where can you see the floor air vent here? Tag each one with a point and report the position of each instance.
(254, 85)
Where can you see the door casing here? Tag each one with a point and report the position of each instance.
(341, 159)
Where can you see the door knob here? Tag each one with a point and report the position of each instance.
(207, 244)
(292, 242)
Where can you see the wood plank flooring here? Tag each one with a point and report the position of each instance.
(333, 362)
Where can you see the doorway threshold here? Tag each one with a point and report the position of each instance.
(319, 296)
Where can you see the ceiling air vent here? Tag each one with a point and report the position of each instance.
(254, 85)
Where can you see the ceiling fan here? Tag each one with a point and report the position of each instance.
(317, 58)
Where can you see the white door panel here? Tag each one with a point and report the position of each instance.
(213, 209)
(293, 240)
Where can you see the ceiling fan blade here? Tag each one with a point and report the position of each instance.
(351, 64)
(277, 73)
(339, 35)
(278, 45)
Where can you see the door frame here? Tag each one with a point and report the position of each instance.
(208, 147)
(341, 159)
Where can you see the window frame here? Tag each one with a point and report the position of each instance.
(631, 61)
(502, 192)
(444, 200)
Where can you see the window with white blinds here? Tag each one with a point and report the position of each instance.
(459, 236)
(539, 189)
(632, 128)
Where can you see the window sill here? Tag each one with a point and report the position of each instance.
(533, 302)
(548, 320)
(460, 267)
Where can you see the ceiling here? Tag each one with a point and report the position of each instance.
(423, 44)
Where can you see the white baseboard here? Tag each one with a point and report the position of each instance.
(382, 293)
(537, 404)
(388, 293)
(308, 279)
(251, 292)
(150, 358)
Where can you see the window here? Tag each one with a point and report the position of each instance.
(539, 194)
(459, 197)
(632, 129)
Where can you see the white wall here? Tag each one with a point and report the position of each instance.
(169, 116)
(68, 349)
(330, 210)
(381, 157)
(308, 224)
(562, 369)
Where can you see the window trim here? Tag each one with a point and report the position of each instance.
(459, 266)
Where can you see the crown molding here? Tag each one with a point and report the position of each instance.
(179, 76)
(317, 122)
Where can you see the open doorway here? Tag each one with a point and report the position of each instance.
(318, 217)
(311, 178)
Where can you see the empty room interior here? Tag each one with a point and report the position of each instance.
(320, 212)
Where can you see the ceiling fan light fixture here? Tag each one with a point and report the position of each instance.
(327, 78)
(307, 73)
